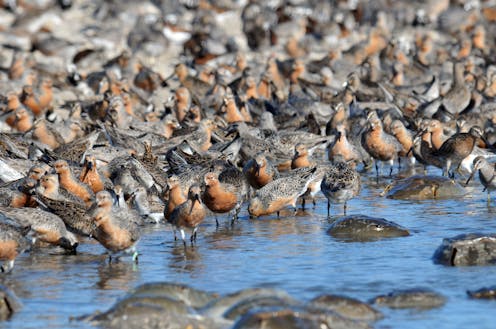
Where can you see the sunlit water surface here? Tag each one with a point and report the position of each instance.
(291, 253)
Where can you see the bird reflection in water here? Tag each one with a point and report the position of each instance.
(116, 275)
(186, 259)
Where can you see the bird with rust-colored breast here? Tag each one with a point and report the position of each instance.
(70, 183)
(220, 197)
(13, 241)
(190, 214)
(115, 228)
(260, 171)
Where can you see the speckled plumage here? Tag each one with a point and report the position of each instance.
(340, 184)
(281, 192)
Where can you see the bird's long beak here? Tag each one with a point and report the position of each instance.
(470, 177)
(196, 198)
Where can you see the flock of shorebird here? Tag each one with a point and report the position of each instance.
(104, 145)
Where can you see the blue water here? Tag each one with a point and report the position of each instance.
(292, 253)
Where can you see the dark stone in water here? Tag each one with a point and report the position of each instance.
(411, 298)
(9, 303)
(364, 228)
(219, 307)
(159, 319)
(257, 302)
(141, 305)
(297, 318)
(347, 307)
(467, 250)
(148, 312)
(421, 187)
(483, 293)
(179, 292)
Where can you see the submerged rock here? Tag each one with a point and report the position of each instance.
(179, 292)
(364, 228)
(483, 293)
(160, 319)
(258, 302)
(147, 312)
(421, 187)
(289, 318)
(411, 298)
(222, 305)
(466, 250)
(9, 303)
(158, 305)
(347, 307)
(141, 305)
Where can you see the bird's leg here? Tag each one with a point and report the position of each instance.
(7, 266)
(314, 202)
(328, 207)
(183, 237)
(399, 164)
(377, 169)
(278, 214)
(236, 213)
(194, 233)
(345, 206)
(448, 166)
(303, 203)
(216, 221)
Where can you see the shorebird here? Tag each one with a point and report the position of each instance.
(174, 198)
(71, 184)
(48, 135)
(18, 194)
(92, 177)
(13, 242)
(458, 97)
(458, 147)
(487, 175)
(189, 214)
(70, 208)
(340, 184)
(259, 171)
(438, 137)
(300, 158)
(423, 152)
(343, 147)
(380, 145)
(115, 228)
(220, 197)
(46, 226)
(281, 192)
(405, 137)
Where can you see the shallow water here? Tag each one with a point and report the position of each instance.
(293, 253)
